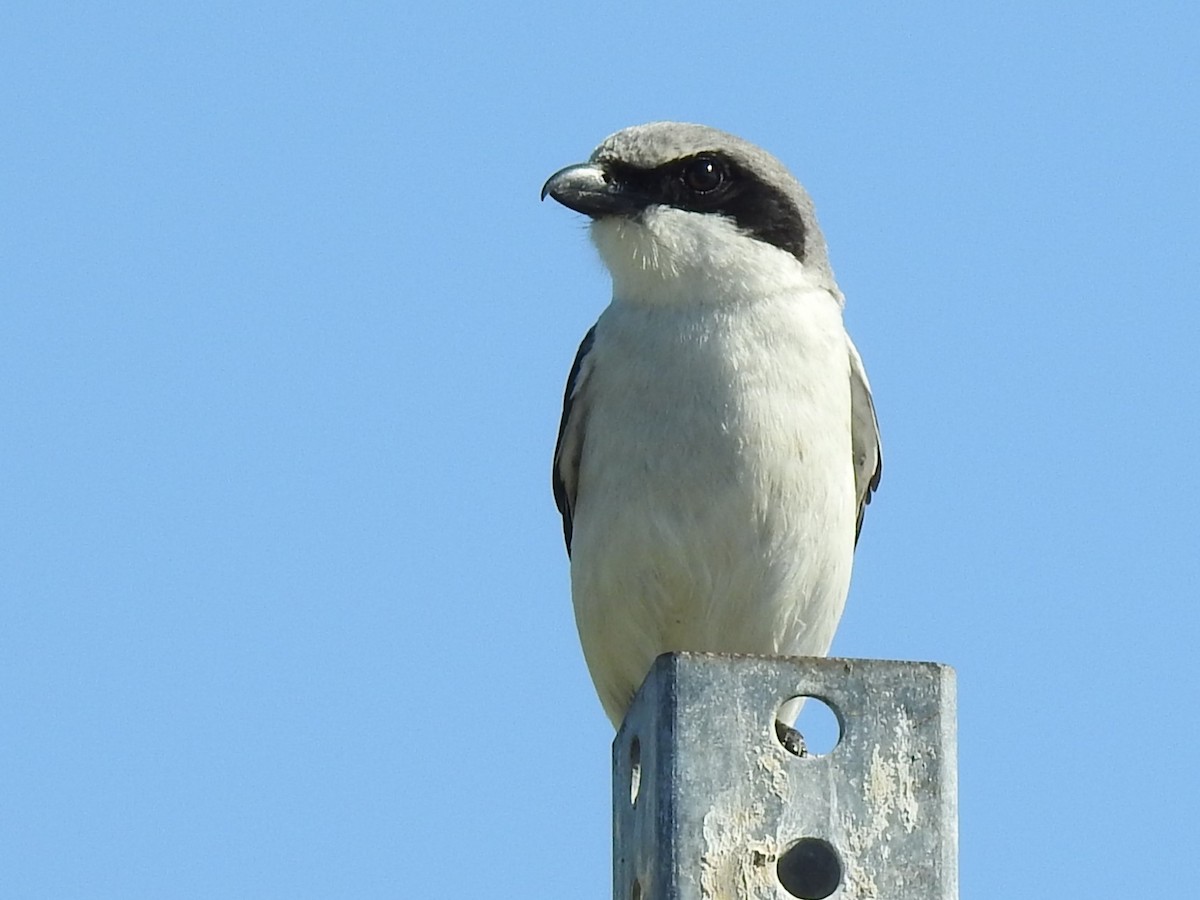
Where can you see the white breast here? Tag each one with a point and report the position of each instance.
(715, 506)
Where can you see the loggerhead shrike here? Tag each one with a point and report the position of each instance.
(718, 441)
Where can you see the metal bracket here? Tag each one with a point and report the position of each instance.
(708, 803)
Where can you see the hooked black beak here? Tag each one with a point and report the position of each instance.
(589, 189)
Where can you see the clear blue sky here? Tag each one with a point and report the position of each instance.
(283, 333)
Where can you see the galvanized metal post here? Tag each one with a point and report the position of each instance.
(708, 803)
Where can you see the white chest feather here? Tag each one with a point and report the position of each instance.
(716, 505)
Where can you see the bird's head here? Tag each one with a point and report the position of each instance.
(680, 211)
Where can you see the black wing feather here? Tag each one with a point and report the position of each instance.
(564, 494)
(864, 425)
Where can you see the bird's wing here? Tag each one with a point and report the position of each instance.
(567, 452)
(864, 436)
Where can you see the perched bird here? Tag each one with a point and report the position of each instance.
(718, 441)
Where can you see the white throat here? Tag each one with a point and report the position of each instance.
(668, 256)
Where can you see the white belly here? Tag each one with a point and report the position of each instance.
(727, 523)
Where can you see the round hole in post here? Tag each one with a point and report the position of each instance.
(635, 771)
(636, 892)
(808, 726)
(810, 869)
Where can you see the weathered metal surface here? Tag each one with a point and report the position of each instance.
(707, 802)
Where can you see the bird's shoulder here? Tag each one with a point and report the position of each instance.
(569, 446)
(865, 442)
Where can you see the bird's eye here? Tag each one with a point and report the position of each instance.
(704, 174)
